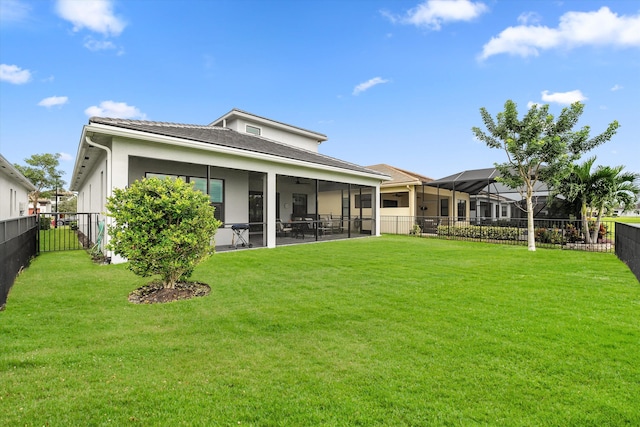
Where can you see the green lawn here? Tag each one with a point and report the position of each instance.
(386, 331)
(625, 219)
(58, 239)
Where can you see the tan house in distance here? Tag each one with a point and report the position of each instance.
(408, 195)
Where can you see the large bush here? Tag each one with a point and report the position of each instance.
(162, 226)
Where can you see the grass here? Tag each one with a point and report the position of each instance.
(625, 219)
(384, 331)
(59, 239)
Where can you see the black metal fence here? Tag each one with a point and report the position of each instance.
(17, 248)
(65, 231)
(553, 233)
(628, 246)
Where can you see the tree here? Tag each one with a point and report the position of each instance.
(611, 188)
(163, 227)
(538, 147)
(601, 190)
(69, 205)
(577, 186)
(43, 173)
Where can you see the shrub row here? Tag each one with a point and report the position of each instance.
(480, 232)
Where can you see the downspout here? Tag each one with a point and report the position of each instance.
(108, 219)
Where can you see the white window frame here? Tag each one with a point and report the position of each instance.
(256, 128)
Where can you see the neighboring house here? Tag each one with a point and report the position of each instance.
(255, 170)
(411, 194)
(44, 206)
(14, 191)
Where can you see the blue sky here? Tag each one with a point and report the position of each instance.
(397, 82)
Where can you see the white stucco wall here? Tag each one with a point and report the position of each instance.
(296, 140)
(14, 198)
(132, 158)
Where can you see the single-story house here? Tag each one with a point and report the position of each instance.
(258, 172)
(411, 196)
(14, 191)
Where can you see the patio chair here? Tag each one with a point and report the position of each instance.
(281, 230)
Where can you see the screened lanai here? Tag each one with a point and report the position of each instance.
(490, 200)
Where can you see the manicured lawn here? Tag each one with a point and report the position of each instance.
(625, 219)
(384, 331)
(58, 239)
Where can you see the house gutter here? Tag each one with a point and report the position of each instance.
(108, 219)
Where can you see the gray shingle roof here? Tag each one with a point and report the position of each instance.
(224, 137)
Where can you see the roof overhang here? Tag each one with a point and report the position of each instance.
(477, 181)
(102, 134)
(8, 169)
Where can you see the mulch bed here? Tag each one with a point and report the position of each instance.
(154, 292)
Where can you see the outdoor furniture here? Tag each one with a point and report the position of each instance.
(282, 230)
(239, 233)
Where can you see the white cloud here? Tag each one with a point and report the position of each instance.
(95, 15)
(113, 109)
(616, 88)
(13, 11)
(368, 85)
(565, 98)
(14, 74)
(53, 101)
(433, 13)
(66, 157)
(95, 45)
(600, 28)
(532, 103)
(528, 18)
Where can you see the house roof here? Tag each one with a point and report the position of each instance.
(215, 136)
(469, 181)
(237, 113)
(477, 181)
(10, 170)
(400, 176)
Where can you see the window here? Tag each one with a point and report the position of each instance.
(504, 211)
(299, 205)
(462, 210)
(444, 207)
(472, 205)
(363, 201)
(253, 130)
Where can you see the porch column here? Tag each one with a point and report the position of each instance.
(375, 205)
(271, 209)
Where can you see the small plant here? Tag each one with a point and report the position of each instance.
(571, 233)
(163, 227)
(416, 229)
(45, 222)
(602, 231)
(549, 235)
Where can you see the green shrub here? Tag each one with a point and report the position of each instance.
(549, 235)
(480, 232)
(163, 227)
(45, 222)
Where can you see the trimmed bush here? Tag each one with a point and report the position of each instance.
(162, 226)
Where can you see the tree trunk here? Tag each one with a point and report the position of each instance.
(531, 236)
(585, 223)
(596, 230)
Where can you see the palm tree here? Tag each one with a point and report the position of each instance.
(612, 187)
(576, 187)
